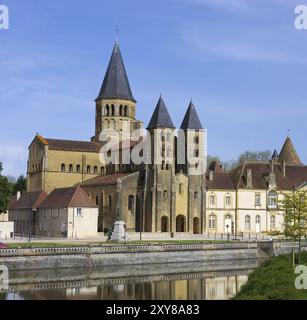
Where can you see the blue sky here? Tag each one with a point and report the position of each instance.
(242, 61)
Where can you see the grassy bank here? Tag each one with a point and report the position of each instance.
(80, 244)
(274, 280)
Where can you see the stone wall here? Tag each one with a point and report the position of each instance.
(118, 255)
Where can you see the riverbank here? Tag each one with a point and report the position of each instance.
(118, 255)
(274, 280)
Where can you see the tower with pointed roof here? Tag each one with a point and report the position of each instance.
(288, 153)
(195, 137)
(115, 104)
(194, 165)
(161, 172)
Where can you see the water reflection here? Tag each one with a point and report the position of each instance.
(198, 286)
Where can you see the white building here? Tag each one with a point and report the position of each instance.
(69, 213)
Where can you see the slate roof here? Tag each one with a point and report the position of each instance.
(295, 175)
(29, 200)
(68, 198)
(104, 180)
(12, 201)
(221, 180)
(288, 153)
(191, 120)
(160, 117)
(116, 84)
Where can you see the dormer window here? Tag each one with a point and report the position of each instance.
(272, 200)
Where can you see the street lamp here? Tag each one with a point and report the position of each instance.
(227, 227)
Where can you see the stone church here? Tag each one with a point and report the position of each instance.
(160, 197)
(163, 197)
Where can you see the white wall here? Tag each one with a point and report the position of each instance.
(84, 224)
(6, 229)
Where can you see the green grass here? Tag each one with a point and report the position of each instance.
(274, 280)
(76, 244)
(42, 245)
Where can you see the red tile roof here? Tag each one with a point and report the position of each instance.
(71, 145)
(30, 200)
(104, 180)
(68, 198)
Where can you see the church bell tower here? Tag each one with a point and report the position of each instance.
(115, 104)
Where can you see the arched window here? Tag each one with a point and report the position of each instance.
(165, 194)
(273, 222)
(131, 203)
(97, 200)
(108, 110)
(196, 139)
(113, 109)
(110, 202)
(272, 200)
(121, 110)
(196, 226)
(126, 111)
(180, 223)
(63, 167)
(195, 195)
(163, 165)
(78, 168)
(102, 170)
(212, 221)
(167, 166)
(247, 223)
(164, 224)
(258, 219)
(196, 153)
(88, 169)
(180, 188)
(71, 168)
(95, 170)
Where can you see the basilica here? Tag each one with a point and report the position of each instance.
(68, 182)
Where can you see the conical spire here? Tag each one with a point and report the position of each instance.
(275, 154)
(288, 153)
(160, 117)
(191, 120)
(115, 84)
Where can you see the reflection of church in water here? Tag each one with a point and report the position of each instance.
(188, 287)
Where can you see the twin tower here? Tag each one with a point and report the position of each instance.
(116, 110)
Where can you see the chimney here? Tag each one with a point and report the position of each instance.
(284, 168)
(210, 175)
(249, 182)
(18, 195)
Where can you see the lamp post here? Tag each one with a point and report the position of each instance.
(227, 227)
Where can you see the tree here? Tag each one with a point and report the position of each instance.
(254, 156)
(211, 159)
(294, 208)
(4, 192)
(20, 185)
